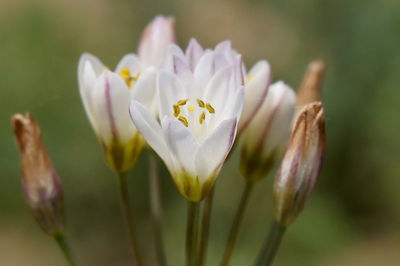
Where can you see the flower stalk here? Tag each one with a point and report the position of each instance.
(230, 244)
(156, 214)
(205, 228)
(65, 248)
(192, 232)
(271, 245)
(126, 209)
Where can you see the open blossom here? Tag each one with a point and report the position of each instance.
(301, 164)
(106, 94)
(200, 100)
(265, 139)
(42, 189)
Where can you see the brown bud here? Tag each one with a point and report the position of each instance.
(40, 183)
(301, 164)
(310, 89)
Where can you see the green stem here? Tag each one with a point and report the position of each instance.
(205, 228)
(126, 209)
(271, 245)
(156, 212)
(192, 231)
(64, 246)
(230, 244)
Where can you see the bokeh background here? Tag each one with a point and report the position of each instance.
(353, 217)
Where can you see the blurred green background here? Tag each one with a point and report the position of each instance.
(353, 217)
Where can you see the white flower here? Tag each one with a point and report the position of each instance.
(106, 96)
(301, 164)
(200, 101)
(264, 140)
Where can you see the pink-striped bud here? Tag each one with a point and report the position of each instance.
(301, 164)
(155, 40)
(42, 189)
(265, 138)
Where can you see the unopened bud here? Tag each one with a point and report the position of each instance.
(42, 189)
(265, 138)
(310, 88)
(301, 164)
(155, 40)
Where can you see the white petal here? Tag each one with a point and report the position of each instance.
(131, 62)
(173, 50)
(170, 90)
(255, 92)
(234, 108)
(151, 131)
(111, 108)
(144, 90)
(203, 72)
(219, 90)
(182, 70)
(181, 143)
(214, 149)
(155, 39)
(193, 53)
(89, 67)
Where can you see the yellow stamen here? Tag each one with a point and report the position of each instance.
(190, 108)
(177, 110)
(202, 117)
(210, 108)
(200, 103)
(126, 75)
(104, 68)
(248, 78)
(183, 120)
(182, 102)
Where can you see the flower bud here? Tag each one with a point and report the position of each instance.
(155, 40)
(301, 164)
(310, 88)
(42, 189)
(265, 138)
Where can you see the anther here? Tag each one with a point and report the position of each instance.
(182, 102)
(202, 117)
(183, 120)
(200, 103)
(177, 110)
(210, 108)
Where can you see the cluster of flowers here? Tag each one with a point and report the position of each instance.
(189, 106)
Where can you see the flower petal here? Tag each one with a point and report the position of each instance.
(155, 39)
(170, 90)
(131, 62)
(151, 131)
(182, 70)
(256, 88)
(110, 105)
(203, 72)
(89, 67)
(144, 90)
(212, 153)
(194, 51)
(182, 144)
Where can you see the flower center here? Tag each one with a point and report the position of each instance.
(126, 75)
(186, 116)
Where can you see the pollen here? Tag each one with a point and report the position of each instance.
(200, 103)
(183, 121)
(182, 102)
(190, 108)
(126, 75)
(210, 109)
(176, 109)
(248, 78)
(202, 117)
